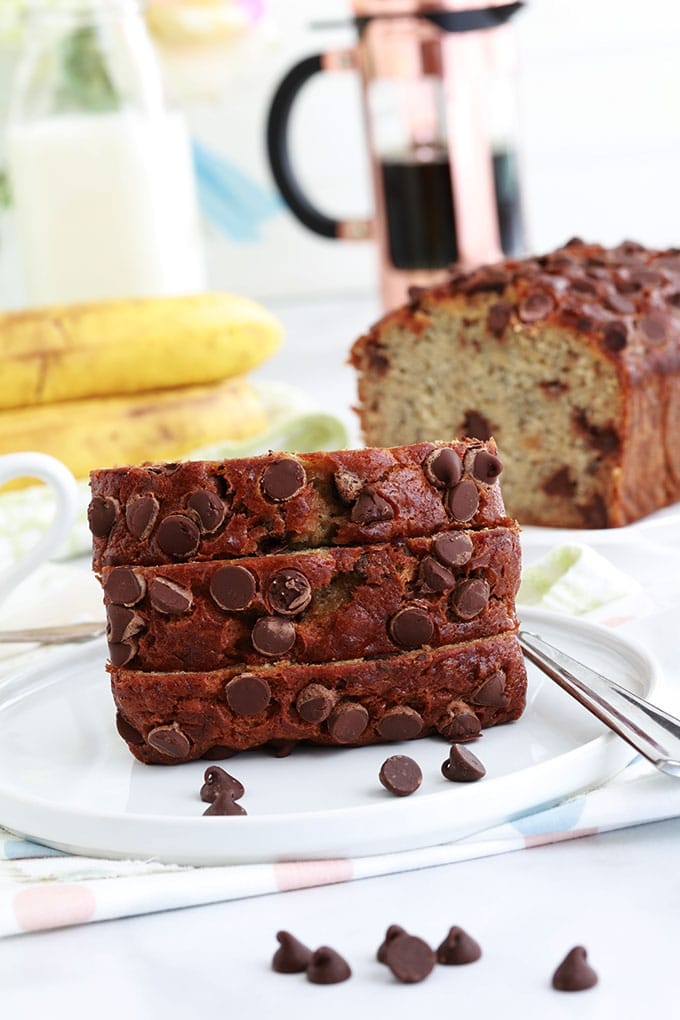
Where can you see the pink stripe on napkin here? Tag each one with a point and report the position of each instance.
(53, 907)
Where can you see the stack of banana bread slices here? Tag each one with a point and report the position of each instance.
(342, 598)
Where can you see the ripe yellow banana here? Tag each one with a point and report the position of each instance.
(114, 347)
(87, 434)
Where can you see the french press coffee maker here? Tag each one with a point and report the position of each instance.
(438, 97)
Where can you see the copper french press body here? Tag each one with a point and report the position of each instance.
(439, 111)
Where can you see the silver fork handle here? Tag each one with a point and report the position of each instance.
(67, 634)
(651, 731)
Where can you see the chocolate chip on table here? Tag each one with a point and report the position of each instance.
(217, 781)
(124, 587)
(315, 703)
(327, 967)
(462, 501)
(486, 467)
(347, 722)
(491, 693)
(101, 515)
(209, 509)
(167, 597)
(248, 694)
(273, 635)
(169, 740)
(574, 974)
(292, 956)
(443, 467)
(470, 597)
(400, 775)
(411, 627)
(140, 515)
(462, 766)
(178, 536)
(288, 592)
(283, 479)
(233, 588)
(453, 549)
(391, 933)
(224, 804)
(371, 508)
(409, 958)
(434, 576)
(401, 723)
(458, 948)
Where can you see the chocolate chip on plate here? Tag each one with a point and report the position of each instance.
(462, 766)
(283, 479)
(574, 974)
(458, 948)
(409, 958)
(248, 694)
(288, 592)
(327, 967)
(233, 588)
(178, 536)
(400, 775)
(217, 781)
(292, 956)
(224, 804)
(391, 933)
(273, 635)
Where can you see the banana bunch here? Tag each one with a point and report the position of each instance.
(119, 382)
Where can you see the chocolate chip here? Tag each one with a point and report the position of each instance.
(462, 502)
(402, 723)
(292, 957)
(491, 693)
(127, 731)
(411, 627)
(476, 426)
(209, 509)
(458, 948)
(218, 752)
(101, 515)
(283, 479)
(498, 317)
(169, 598)
(460, 723)
(462, 766)
(674, 299)
(435, 576)
(583, 287)
(348, 485)
(486, 467)
(122, 623)
(347, 722)
(391, 933)
(370, 508)
(560, 483)
(281, 748)
(574, 974)
(400, 775)
(409, 958)
(216, 781)
(653, 327)
(233, 588)
(327, 967)
(124, 587)
(453, 549)
(470, 597)
(140, 515)
(273, 635)
(647, 277)
(120, 653)
(224, 804)
(616, 302)
(178, 536)
(443, 467)
(248, 694)
(536, 305)
(169, 740)
(288, 592)
(314, 703)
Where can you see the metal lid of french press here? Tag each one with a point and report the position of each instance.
(449, 15)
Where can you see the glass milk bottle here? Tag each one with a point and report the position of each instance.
(101, 169)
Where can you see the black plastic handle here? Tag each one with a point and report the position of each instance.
(280, 162)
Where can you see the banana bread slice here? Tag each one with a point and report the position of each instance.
(314, 605)
(570, 360)
(165, 513)
(167, 717)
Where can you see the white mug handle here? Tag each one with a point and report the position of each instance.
(63, 484)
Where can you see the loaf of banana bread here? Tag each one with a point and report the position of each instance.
(173, 717)
(570, 360)
(196, 510)
(314, 605)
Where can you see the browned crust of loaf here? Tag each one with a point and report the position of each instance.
(435, 684)
(622, 305)
(356, 592)
(315, 516)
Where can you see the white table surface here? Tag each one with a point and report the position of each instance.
(618, 893)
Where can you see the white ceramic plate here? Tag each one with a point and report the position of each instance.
(67, 780)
